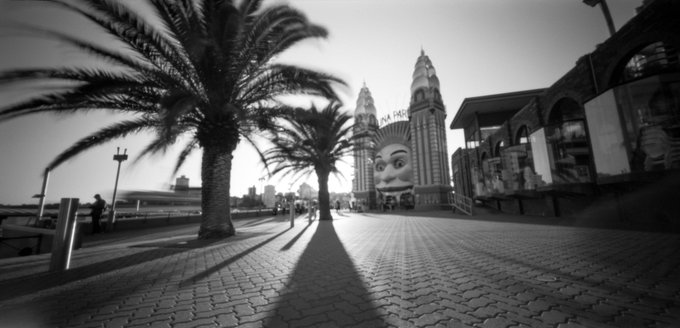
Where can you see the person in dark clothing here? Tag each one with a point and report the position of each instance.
(337, 206)
(96, 211)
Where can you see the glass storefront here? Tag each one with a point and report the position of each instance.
(561, 155)
(637, 126)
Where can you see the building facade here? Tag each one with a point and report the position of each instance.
(269, 196)
(404, 163)
(602, 140)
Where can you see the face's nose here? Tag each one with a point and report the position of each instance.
(388, 174)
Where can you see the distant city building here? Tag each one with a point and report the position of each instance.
(269, 197)
(252, 192)
(182, 183)
(404, 162)
(305, 191)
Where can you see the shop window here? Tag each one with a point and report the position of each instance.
(497, 148)
(655, 58)
(522, 136)
(518, 167)
(565, 158)
(561, 155)
(651, 111)
(564, 110)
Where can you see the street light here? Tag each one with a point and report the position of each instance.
(605, 11)
(119, 158)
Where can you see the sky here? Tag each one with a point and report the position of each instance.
(478, 47)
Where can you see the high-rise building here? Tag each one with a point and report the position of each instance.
(269, 197)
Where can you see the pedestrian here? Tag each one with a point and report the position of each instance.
(337, 206)
(96, 211)
(312, 213)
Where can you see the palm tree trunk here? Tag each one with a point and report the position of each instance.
(215, 203)
(324, 198)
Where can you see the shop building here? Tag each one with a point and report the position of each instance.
(603, 139)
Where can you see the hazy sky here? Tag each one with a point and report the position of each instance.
(477, 47)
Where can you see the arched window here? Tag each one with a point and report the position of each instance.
(564, 110)
(522, 136)
(653, 59)
(497, 148)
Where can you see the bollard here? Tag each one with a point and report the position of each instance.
(292, 215)
(64, 236)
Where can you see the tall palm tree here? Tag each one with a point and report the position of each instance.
(206, 73)
(312, 141)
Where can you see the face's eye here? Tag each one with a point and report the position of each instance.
(399, 163)
(380, 167)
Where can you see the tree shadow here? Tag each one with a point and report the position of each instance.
(290, 244)
(26, 285)
(226, 263)
(259, 221)
(325, 288)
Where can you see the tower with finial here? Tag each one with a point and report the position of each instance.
(366, 122)
(428, 136)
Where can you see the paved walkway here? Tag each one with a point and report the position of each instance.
(367, 270)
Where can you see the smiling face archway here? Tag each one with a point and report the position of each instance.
(392, 169)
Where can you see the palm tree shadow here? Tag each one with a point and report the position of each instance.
(325, 287)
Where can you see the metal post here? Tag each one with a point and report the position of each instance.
(43, 191)
(64, 236)
(292, 214)
(120, 158)
(605, 11)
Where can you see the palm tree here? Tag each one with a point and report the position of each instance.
(312, 141)
(207, 73)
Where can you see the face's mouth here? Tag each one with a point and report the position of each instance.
(396, 188)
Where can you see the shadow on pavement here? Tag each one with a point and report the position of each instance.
(290, 244)
(325, 288)
(259, 221)
(26, 285)
(231, 260)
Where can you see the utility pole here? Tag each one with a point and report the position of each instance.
(605, 11)
(119, 158)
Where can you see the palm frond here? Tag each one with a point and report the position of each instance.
(188, 149)
(102, 136)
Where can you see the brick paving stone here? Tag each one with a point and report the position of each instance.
(486, 312)
(226, 320)
(499, 323)
(462, 317)
(479, 302)
(429, 319)
(182, 316)
(554, 317)
(571, 325)
(370, 270)
(538, 306)
(317, 320)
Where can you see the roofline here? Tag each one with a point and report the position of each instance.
(492, 97)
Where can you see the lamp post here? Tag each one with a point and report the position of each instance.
(119, 158)
(605, 11)
(262, 194)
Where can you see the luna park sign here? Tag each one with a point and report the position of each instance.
(395, 116)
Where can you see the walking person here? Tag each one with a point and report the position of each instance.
(312, 212)
(96, 212)
(337, 206)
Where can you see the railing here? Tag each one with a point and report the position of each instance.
(462, 203)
